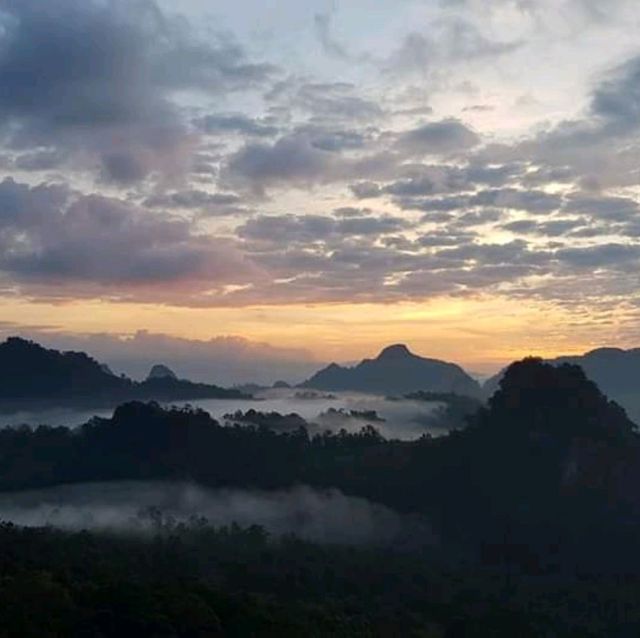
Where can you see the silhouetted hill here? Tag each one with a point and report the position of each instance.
(27, 370)
(396, 370)
(31, 375)
(161, 372)
(616, 371)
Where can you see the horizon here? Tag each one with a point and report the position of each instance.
(304, 184)
(139, 364)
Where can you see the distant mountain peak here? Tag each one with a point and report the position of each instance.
(396, 351)
(161, 372)
(395, 371)
(606, 352)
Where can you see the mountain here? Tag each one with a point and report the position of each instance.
(615, 371)
(31, 374)
(396, 370)
(27, 370)
(161, 372)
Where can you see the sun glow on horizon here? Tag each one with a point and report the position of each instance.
(463, 330)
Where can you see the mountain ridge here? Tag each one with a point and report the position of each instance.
(33, 375)
(395, 370)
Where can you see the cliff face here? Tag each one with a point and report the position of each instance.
(396, 370)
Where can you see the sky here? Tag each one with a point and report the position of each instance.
(297, 182)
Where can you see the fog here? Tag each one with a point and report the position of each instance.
(403, 419)
(326, 516)
(397, 419)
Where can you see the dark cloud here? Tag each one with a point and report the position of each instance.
(57, 242)
(555, 228)
(438, 138)
(418, 180)
(408, 194)
(617, 100)
(514, 252)
(366, 190)
(611, 255)
(317, 228)
(202, 201)
(444, 237)
(235, 123)
(351, 211)
(290, 160)
(603, 208)
(478, 217)
(98, 78)
(302, 159)
(531, 201)
(337, 140)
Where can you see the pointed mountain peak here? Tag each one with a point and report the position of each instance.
(396, 351)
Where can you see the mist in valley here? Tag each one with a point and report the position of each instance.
(399, 418)
(323, 516)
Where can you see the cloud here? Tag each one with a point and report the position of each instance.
(223, 360)
(417, 180)
(206, 203)
(617, 100)
(235, 123)
(445, 41)
(600, 147)
(317, 228)
(603, 208)
(322, 24)
(438, 138)
(290, 160)
(556, 228)
(56, 242)
(327, 101)
(98, 80)
(611, 255)
(302, 159)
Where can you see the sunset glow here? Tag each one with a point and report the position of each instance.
(323, 177)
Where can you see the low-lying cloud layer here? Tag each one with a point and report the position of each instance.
(321, 516)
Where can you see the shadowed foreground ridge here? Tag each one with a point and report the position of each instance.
(616, 371)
